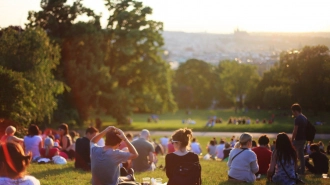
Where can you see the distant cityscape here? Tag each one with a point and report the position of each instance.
(257, 48)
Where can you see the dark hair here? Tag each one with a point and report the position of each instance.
(19, 160)
(182, 135)
(263, 140)
(91, 130)
(64, 127)
(73, 134)
(222, 141)
(254, 143)
(194, 140)
(52, 137)
(129, 135)
(212, 142)
(314, 147)
(33, 130)
(296, 107)
(111, 138)
(284, 149)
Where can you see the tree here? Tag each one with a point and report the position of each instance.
(237, 80)
(195, 84)
(141, 79)
(32, 54)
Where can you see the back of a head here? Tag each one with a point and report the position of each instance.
(284, 148)
(244, 138)
(145, 134)
(315, 147)
(183, 136)
(222, 141)
(14, 160)
(10, 130)
(33, 130)
(49, 142)
(194, 140)
(296, 107)
(212, 142)
(91, 130)
(263, 140)
(227, 145)
(111, 138)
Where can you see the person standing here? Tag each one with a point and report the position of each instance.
(299, 135)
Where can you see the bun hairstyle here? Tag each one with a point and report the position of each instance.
(14, 161)
(182, 135)
(243, 139)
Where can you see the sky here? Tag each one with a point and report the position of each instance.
(211, 16)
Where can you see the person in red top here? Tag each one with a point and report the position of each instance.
(263, 154)
(170, 147)
(49, 151)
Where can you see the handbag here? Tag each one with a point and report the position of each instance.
(296, 178)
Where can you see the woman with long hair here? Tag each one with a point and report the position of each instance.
(284, 161)
(33, 142)
(13, 165)
(65, 138)
(242, 161)
(180, 159)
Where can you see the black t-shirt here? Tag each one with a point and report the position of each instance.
(301, 122)
(172, 160)
(82, 154)
(321, 162)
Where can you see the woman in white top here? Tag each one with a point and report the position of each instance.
(195, 147)
(33, 142)
(242, 161)
(14, 164)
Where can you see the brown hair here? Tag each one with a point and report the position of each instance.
(182, 135)
(111, 138)
(64, 127)
(19, 161)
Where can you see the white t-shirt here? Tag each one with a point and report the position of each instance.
(101, 142)
(32, 145)
(219, 149)
(26, 180)
(164, 141)
(244, 166)
(195, 148)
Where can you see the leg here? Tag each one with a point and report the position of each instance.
(299, 145)
(310, 167)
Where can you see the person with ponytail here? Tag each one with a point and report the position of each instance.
(242, 161)
(284, 161)
(182, 159)
(13, 164)
(49, 151)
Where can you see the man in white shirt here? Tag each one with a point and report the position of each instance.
(220, 149)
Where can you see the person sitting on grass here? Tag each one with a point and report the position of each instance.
(328, 148)
(14, 164)
(263, 154)
(320, 160)
(284, 161)
(220, 148)
(33, 142)
(181, 157)
(9, 136)
(195, 147)
(226, 152)
(242, 161)
(105, 160)
(212, 149)
(145, 161)
(49, 151)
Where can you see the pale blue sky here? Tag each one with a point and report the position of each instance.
(212, 16)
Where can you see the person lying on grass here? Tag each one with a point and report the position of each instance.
(105, 160)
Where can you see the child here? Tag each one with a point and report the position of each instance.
(226, 152)
(320, 160)
(9, 136)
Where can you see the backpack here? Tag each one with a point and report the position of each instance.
(187, 173)
(310, 131)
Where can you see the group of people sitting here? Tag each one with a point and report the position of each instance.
(115, 160)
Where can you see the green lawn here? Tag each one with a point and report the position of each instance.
(213, 173)
(173, 121)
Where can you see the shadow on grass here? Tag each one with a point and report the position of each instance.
(58, 171)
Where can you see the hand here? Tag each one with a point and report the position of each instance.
(109, 128)
(121, 134)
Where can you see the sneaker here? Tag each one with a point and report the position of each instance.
(131, 173)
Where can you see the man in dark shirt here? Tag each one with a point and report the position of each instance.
(299, 135)
(320, 160)
(82, 155)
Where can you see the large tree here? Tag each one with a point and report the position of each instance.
(195, 84)
(237, 80)
(35, 57)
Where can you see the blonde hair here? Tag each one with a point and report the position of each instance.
(10, 130)
(243, 139)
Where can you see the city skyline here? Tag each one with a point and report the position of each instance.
(211, 16)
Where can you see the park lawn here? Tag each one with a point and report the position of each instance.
(172, 121)
(213, 173)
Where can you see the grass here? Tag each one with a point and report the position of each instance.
(213, 173)
(173, 121)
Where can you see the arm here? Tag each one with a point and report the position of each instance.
(98, 136)
(271, 168)
(151, 157)
(131, 148)
(254, 166)
(294, 133)
(17, 140)
(64, 142)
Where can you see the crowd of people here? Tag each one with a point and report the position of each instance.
(116, 159)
